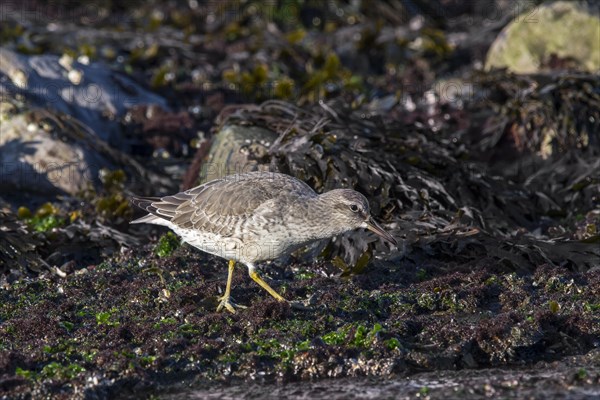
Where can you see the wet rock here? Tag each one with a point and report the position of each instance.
(539, 381)
(91, 93)
(559, 35)
(238, 149)
(44, 154)
(34, 160)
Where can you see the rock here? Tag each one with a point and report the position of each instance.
(559, 35)
(36, 161)
(91, 93)
(59, 120)
(238, 149)
(45, 154)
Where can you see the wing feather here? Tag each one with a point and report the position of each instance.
(221, 205)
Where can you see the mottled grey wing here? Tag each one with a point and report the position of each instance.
(220, 206)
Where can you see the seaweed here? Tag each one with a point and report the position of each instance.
(417, 183)
(491, 190)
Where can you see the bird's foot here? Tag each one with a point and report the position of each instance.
(225, 302)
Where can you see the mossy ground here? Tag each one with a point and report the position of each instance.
(151, 321)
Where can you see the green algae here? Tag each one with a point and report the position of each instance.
(45, 224)
(284, 88)
(581, 374)
(61, 371)
(108, 318)
(159, 79)
(52, 370)
(24, 213)
(114, 203)
(249, 82)
(165, 321)
(45, 218)
(110, 203)
(167, 244)
(332, 72)
(554, 306)
(274, 349)
(392, 344)
(304, 275)
(356, 335)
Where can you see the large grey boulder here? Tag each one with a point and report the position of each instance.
(59, 123)
(90, 92)
(36, 161)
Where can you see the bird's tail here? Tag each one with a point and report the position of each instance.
(145, 203)
(146, 219)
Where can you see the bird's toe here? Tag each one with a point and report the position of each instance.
(226, 303)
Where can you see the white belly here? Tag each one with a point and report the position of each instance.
(231, 248)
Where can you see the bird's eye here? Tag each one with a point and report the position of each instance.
(354, 207)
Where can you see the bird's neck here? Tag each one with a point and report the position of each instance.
(320, 210)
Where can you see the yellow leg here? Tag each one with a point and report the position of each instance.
(258, 279)
(224, 300)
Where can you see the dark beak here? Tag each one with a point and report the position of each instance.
(378, 230)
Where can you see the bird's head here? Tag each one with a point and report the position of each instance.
(350, 210)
